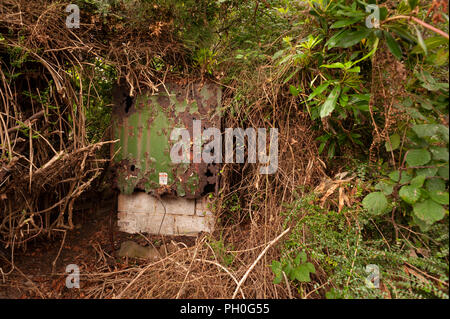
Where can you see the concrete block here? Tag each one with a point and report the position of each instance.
(141, 212)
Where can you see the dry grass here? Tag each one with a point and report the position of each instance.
(46, 158)
(252, 235)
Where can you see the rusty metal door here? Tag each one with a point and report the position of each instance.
(143, 125)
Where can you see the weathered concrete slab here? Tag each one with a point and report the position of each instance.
(142, 212)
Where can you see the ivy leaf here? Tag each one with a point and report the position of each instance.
(387, 187)
(278, 278)
(418, 181)
(418, 157)
(393, 45)
(278, 54)
(301, 273)
(443, 171)
(425, 130)
(409, 194)
(435, 185)
(330, 102)
(404, 34)
(376, 203)
(443, 132)
(439, 153)
(439, 197)
(395, 142)
(424, 226)
(429, 211)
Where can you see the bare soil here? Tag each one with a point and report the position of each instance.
(40, 268)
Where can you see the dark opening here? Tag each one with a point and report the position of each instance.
(209, 188)
(209, 173)
(128, 103)
(132, 167)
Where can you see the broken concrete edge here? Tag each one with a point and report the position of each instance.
(143, 213)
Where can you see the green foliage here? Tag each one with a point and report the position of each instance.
(341, 245)
(321, 53)
(98, 104)
(336, 92)
(205, 59)
(376, 203)
(193, 21)
(324, 58)
(297, 269)
(420, 186)
(222, 251)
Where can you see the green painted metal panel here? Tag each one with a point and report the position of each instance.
(143, 126)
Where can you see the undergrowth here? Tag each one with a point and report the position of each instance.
(358, 90)
(342, 245)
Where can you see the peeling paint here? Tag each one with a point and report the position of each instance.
(144, 128)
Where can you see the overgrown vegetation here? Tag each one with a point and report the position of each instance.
(381, 83)
(359, 91)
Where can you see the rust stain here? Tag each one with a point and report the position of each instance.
(140, 164)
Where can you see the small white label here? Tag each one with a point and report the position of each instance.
(163, 178)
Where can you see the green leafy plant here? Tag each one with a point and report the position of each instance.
(222, 251)
(419, 185)
(206, 60)
(341, 245)
(297, 269)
